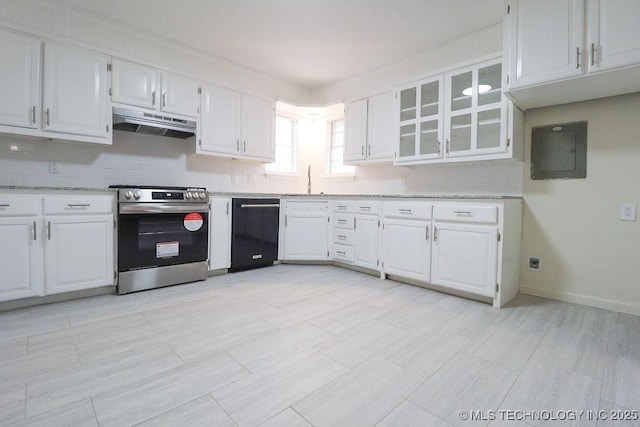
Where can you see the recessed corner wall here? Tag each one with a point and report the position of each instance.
(588, 255)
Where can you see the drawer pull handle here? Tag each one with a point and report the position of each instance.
(341, 253)
(405, 211)
(342, 207)
(4, 205)
(463, 212)
(78, 205)
(365, 208)
(342, 221)
(342, 237)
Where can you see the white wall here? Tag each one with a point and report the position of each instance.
(589, 256)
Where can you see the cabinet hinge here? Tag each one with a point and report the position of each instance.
(497, 287)
(110, 91)
(508, 9)
(499, 236)
(199, 90)
(108, 67)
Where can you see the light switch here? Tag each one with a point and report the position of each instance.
(627, 212)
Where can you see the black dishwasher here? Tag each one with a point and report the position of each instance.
(254, 233)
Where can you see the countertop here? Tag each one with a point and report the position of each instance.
(275, 195)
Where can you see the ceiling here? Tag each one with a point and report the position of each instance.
(304, 42)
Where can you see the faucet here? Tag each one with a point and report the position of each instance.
(309, 180)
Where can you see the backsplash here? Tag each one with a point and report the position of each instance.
(152, 160)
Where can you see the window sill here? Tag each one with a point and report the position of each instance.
(340, 177)
(281, 176)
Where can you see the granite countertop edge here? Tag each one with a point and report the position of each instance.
(292, 195)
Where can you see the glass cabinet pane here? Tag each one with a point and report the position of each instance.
(429, 137)
(489, 129)
(460, 133)
(461, 90)
(407, 141)
(408, 104)
(429, 99)
(489, 84)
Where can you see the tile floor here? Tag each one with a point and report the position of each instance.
(295, 345)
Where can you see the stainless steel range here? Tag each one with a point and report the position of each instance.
(163, 236)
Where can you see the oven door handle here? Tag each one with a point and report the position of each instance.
(143, 208)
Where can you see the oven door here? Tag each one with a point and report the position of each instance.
(162, 235)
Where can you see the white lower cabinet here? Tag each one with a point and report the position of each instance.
(305, 230)
(465, 258)
(406, 240)
(78, 252)
(19, 258)
(366, 235)
(220, 234)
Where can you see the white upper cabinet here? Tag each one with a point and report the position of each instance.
(557, 51)
(146, 87)
(547, 41)
(219, 121)
(258, 118)
(476, 111)
(236, 125)
(613, 34)
(180, 95)
(75, 96)
(421, 109)
(20, 83)
(369, 128)
(134, 84)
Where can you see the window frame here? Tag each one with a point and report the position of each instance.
(294, 149)
(329, 144)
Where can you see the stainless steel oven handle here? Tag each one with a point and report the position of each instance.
(141, 208)
(263, 205)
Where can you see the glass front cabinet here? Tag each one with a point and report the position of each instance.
(461, 115)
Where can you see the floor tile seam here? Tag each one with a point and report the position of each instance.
(336, 361)
(169, 410)
(210, 394)
(279, 361)
(249, 372)
(406, 399)
(300, 415)
(616, 404)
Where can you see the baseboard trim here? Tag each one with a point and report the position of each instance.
(582, 299)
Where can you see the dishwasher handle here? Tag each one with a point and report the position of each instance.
(261, 205)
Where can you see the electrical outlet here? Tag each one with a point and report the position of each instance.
(535, 263)
(627, 212)
(53, 168)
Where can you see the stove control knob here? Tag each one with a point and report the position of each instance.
(128, 195)
(188, 195)
(202, 195)
(137, 195)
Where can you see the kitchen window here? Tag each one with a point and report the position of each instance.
(336, 149)
(286, 146)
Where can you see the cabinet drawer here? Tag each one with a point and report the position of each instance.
(78, 205)
(344, 221)
(18, 205)
(306, 207)
(342, 253)
(462, 213)
(366, 208)
(345, 207)
(345, 237)
(407, 210)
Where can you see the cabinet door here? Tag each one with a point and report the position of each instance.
(78, 252)
(179, 95)
(75, 97)
(19, 255)
(476, 111)
(355, 144)
(219, 121)
(381, 127)
(407, 248)
(305, 237)
(421, 112)
(220, 234)
(614, 34)
(366, 245)
(465, 258)
(134, 84)
(546, 40)
(258, 128)
(20, 82)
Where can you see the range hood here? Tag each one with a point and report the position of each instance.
(152, 123)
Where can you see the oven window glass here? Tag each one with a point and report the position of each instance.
(157, 240)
